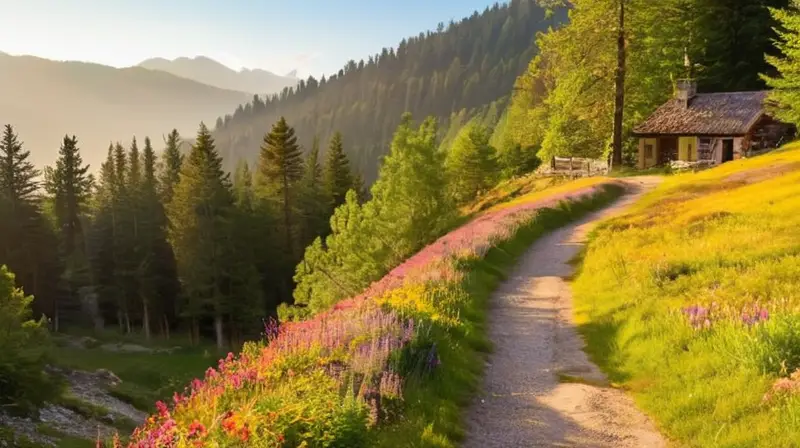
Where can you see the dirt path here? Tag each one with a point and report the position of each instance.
(523, 403)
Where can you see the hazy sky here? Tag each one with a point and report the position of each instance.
(313, 36)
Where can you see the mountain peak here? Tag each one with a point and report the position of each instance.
(291, 74)
(209, 71)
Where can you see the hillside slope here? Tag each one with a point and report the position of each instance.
(212, 73)
(462, 66)
(691, 302)
(390, 367)
(47, 99)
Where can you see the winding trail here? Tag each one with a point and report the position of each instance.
(523, 403)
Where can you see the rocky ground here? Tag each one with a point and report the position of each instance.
(91, 410)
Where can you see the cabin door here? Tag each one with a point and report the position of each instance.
(667, 150)
(727, 150)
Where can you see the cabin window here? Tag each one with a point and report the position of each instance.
(648, 151)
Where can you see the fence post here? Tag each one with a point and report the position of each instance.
(570, 168)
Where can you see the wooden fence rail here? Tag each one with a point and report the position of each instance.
(577, 166)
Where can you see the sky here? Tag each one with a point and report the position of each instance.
(312, 36)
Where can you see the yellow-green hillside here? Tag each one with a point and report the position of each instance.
(691, 302)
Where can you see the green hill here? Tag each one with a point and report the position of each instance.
(690, 302)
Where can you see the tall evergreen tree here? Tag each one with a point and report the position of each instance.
(735, 35)
(313, 200)
(280, 167)
(338, 178)
(69, 185)
(17, 174)
(171, 161)
(471, 164)
(26, 240)
(199, 232)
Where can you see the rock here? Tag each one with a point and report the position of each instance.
(107, 376)
(126, 348)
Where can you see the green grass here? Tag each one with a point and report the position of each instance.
(728, 238)
(146, 377)
(433, 413)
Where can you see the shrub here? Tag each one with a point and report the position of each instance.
(24, 346)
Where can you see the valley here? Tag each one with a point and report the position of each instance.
(542, 223)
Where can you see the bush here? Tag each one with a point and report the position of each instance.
(24, 347)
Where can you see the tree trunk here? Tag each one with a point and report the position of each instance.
(145, 320)
(619, 102)
(127, 323)
(218, 330)
(287, 216)
(166, 327)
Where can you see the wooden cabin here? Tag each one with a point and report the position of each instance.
(710, 128)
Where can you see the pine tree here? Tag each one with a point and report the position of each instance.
(410, 195)
(26, 240)
(171, 161)
(338, 178)
(785, 96)
(313, 200)
(249, 248)
(200, 234)
(155, 258)
(17, 175)
(470, 164)
(69, 185)
(280, 167)
(409, 207)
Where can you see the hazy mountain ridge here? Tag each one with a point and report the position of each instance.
(208, 71)
(47, 99)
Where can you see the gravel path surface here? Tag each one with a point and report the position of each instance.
(523, 403)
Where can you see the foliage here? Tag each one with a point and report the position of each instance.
(463, 65)
(201, 216)
(690, 302)
(24, 347)
(563, 105)
(337, 175)
(69, 186)
(332, 380)
(471, 164)
(785, 97)
(409, 207)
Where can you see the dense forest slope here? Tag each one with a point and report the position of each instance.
(462, 66)
(211, 72)
(47, 99)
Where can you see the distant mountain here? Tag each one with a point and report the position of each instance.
(47, 99)
(458, 73)
(211, 72)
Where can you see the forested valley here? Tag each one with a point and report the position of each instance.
(300, 200)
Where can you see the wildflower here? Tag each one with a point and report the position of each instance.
(229, 423)
(163, 412)
(197, 429)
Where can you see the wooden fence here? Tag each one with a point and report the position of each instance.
(576, 167)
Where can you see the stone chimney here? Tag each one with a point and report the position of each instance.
(685, 90)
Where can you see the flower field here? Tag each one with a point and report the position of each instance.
(392, 365)
(692, 302)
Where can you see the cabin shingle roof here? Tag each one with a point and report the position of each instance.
(708, 114)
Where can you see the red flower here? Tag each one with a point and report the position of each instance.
(197, 429)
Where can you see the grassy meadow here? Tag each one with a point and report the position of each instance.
(691, 302)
